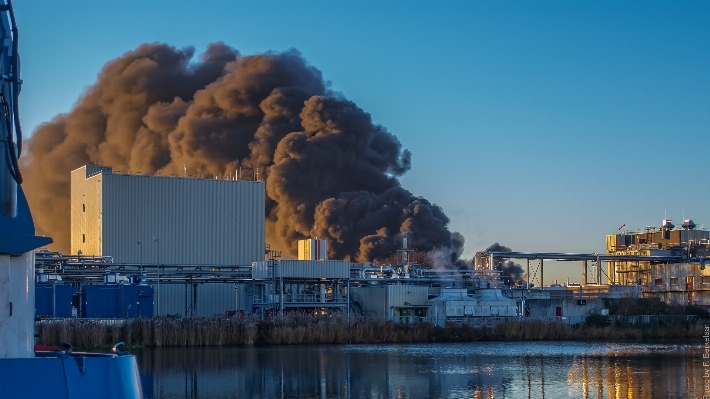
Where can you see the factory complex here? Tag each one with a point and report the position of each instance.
(186, 247)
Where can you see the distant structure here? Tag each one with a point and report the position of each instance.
(685, 280)
(154, 230)
(142, 219)
(312, 249)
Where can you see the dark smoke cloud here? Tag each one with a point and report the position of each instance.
(513, 271)
(330, 172)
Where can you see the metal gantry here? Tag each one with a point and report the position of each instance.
(486, 260)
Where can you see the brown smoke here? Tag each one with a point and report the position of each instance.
(330, 172)
(513, 273)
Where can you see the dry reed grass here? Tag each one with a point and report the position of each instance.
(300, 330)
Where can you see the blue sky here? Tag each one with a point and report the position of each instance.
(540, 125)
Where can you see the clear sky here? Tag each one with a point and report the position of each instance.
(542, 126)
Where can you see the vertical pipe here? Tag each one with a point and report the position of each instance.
(8, 186)
(158, 278)
(584, 273)
(54, 301)
(281, 297)
(527, 273)
(347, 293)
(157, 294)
(599, 272)
(194, 299)
(542, 276)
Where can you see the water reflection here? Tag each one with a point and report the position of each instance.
(473, 370)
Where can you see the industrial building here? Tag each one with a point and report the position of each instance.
(300, 285)
(249, 278)
(683, 279)
(142, 219)
(666, 262)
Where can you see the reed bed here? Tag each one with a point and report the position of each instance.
(304, 330)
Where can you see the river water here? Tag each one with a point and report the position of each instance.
(466, 370)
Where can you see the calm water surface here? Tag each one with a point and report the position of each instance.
(467, 370)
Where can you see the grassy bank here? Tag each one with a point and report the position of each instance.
(299, 330)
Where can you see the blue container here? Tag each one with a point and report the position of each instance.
(53, 300)
(116, 301)
(128, 301)
(145, 301)
(99, 301)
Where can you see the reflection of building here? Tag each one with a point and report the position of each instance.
(682, 279)
(465, 370)
(636, 376)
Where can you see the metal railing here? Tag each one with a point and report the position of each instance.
(298, 298)
(648, 319)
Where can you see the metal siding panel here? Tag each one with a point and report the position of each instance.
(215, 299)
(373, 299)
(197, 221)
(415, 295)
(291, 268)
(315, 269)
(172, 299)
(258, 270)
(395, 295)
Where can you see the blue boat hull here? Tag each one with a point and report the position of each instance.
(80, 375)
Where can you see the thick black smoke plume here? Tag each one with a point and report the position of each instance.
(329, 171)
(512, 271)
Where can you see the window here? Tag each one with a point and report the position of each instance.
(658, 281)
(83, 207)
(674, 280)
(83, 238)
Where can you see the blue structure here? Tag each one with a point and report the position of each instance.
(24, 372)
(65, 375)
(116, 301)
(53, 300)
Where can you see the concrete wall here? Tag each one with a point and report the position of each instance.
(572, 311)
(85, 205)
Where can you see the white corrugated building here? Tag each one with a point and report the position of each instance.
(456, 304)
(166, 220)
(404, 303)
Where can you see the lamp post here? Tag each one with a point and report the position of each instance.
(157, 293)
(140, 245)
